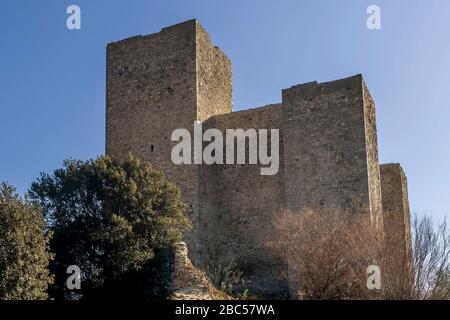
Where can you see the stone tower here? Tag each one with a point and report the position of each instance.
(159, 83)
(328, 152)
(330, 144)
(396, 215)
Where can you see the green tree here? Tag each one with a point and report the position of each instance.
(112, 220)
(24, 252)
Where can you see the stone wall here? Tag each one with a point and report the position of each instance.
(373, 168)
(240, 204)
(152, 90)
(159, 83)
(328, 148)
(396, 213)
(214, 81)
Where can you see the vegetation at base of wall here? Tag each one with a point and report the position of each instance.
(24, 250)
(116, 221)
(328, 253)
(119, 221)
(431, 259)
(225, 278)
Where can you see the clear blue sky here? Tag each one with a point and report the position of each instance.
(52, 80)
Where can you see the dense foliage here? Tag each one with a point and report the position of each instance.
(24, 252)
(115, 221)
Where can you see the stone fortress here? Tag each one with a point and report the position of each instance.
(328, 148)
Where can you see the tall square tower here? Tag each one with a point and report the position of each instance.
(159, 83)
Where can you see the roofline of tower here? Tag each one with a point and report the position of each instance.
(314, 84)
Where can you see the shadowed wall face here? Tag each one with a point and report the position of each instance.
(396, 213)
(240, 206)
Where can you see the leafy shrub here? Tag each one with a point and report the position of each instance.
(24, 252)
(110, 219)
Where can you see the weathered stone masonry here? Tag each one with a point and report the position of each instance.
(328, 146)
(397, 228)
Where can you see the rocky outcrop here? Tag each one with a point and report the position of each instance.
(188, 282)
